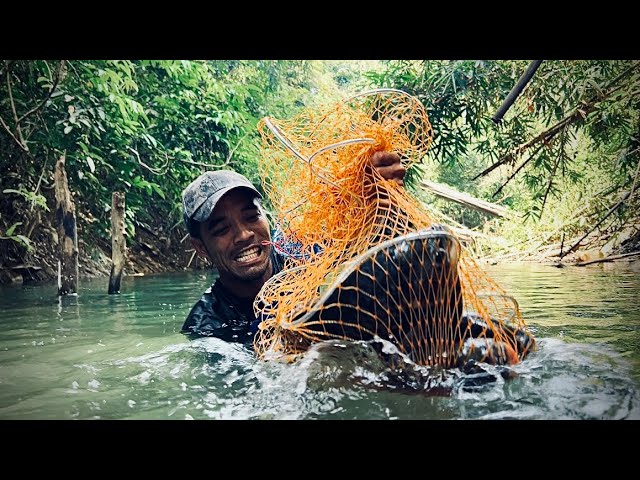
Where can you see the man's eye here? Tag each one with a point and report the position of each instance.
(219, 231)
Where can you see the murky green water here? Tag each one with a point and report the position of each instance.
(122, 357)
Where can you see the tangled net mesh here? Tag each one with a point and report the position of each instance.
(363, 257)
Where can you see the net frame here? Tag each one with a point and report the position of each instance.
(334, 209)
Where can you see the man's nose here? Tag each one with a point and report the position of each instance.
(243, 232)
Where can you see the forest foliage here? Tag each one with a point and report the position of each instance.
(565, 152)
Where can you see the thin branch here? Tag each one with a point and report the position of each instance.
(635, 179)
(35, 192)
(6, 127)
(548, 189)
(553, 174)
(175, 225)
(48, 96)
(512, 176)
(15, 115)
(611, 210)
(153, 170)
(191, 259)
(7, 66)
(231, 152)
(208, 165)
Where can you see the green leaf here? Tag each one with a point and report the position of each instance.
(158, 190)
(12, 228)
(24, 240)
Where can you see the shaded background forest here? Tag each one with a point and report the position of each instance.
(564, 159)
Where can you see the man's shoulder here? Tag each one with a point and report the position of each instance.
(214, 316)
(202, 312)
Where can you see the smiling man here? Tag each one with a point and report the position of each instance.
(227, 224)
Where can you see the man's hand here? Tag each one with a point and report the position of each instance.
(389, 166)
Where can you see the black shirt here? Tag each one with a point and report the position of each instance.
(219, 313)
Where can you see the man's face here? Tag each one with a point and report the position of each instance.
(232, 238)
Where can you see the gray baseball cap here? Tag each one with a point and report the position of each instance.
(201, 196)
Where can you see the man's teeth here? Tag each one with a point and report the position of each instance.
(248, 255)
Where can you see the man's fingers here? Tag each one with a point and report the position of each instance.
(385, 159)
(389, 166)
(393, 172)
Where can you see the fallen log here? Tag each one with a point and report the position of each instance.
(610, 258)
(467, 200)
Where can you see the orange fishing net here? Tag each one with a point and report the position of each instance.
(365, 258)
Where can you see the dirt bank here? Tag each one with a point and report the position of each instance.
(148, 252)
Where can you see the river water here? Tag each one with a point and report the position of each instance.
(97, 356)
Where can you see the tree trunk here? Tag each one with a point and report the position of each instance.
(118, 245)
(67, 233)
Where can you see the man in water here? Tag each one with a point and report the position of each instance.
(228, 226)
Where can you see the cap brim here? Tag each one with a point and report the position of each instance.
(206, 209)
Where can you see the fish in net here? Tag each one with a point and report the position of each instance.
(363, 257)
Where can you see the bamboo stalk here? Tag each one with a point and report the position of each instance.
(516, 90)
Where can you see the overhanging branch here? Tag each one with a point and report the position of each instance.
(580, 113)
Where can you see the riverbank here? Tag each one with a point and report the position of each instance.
(161, 251)
(148, 252)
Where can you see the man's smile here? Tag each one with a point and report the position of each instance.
(248, 254)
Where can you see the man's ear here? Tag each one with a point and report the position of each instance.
(200, 248)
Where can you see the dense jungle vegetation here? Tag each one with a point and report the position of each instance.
(563, 161)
